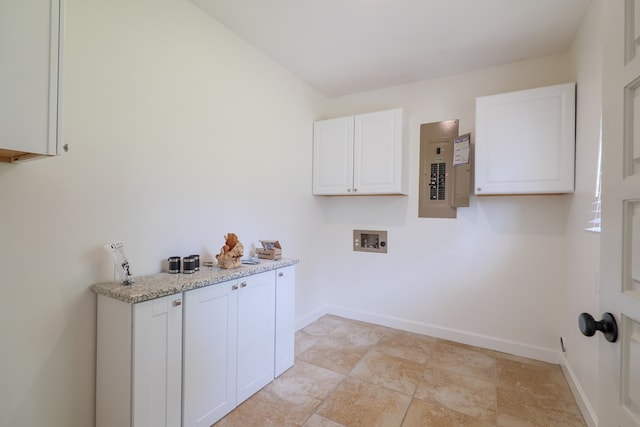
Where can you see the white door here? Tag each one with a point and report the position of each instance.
(157, 360)
(209, 353)
(333, 156)
(29, 48)
(377, 153)
(619, 373)
(256, 333)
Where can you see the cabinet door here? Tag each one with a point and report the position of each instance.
(525, 141)
(333, 156)
(29, 76)
(285, 319)
(157, 362)
(256, 332)
(209, 352)
(378, 153)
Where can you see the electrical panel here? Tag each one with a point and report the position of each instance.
(445, 170)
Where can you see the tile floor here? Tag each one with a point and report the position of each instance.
(350, 373)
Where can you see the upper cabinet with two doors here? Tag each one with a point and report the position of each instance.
(30, 78)
(360, 155)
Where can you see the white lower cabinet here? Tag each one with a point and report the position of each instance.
(228, 347)
(285, 319)
(209, 353)
(139, 363)
(256, 333)
(190, 358)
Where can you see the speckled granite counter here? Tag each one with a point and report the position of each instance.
(161, 284)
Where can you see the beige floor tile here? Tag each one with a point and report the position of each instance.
(360, 333)
(356, 403)
(522, 409)
(305, 385)
(409, 346)
(324, 326)
(468, 395)
(389, 371)
(318, 421)
(351, 374)
(304, 341)
(266, 410)
(337, 354)
(463, 360)
(428, 414)
(545, 381)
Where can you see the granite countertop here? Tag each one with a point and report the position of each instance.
(162, 284)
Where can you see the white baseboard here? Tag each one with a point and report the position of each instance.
(491, 343)
(310, 318)
(588, 413)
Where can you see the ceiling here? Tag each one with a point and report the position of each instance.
(341, 47)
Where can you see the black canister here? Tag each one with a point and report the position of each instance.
(174, 264)
(188, 265)
(196, 258)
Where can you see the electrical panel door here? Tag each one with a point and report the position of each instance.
(445, 171)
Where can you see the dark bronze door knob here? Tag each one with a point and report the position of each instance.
(607, 325)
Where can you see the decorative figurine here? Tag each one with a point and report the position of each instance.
(230, 255)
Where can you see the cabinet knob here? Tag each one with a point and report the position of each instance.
(177, 302)
(355, 189)
(280, 274)
(348, 190)
(234, 288)
(243, 284)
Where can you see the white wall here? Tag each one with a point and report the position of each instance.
(179, 132)
(583, 248)
(494, 276)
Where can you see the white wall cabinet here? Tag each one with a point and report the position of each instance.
(30, 78)
(285, 319)
(525, 141)
(139, 363)
(229, 341)
(360, 155)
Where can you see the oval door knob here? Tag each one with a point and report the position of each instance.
(607, 325)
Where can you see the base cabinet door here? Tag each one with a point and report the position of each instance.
(209, 352)
(285, 319)
(157, 362)
(256, 333)
(228, 346)
(139, 363)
